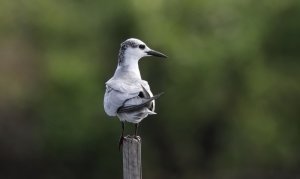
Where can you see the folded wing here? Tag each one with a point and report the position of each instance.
(127, 96)
(139, 102)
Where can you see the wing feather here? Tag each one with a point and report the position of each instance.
(138, 103)
(124, 96)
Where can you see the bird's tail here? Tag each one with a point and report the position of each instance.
(150, 112)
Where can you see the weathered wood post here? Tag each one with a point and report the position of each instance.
(132, 159)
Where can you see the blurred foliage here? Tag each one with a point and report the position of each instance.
(231, 83)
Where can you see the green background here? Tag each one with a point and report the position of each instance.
(231, 106)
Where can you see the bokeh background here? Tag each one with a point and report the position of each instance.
(231, 106)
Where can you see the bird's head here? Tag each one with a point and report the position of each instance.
(135, 49)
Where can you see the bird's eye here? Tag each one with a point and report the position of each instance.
(142, 47)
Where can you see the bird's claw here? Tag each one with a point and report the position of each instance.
(137, 137)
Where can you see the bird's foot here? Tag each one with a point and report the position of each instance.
(121, 142)
(134, 137)
(137, 137)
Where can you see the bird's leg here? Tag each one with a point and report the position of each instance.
(121, 137)
(136, 130)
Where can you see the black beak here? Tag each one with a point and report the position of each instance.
(156, 54)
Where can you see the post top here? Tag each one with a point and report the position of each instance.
(133, 138)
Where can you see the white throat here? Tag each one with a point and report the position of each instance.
(129, 67)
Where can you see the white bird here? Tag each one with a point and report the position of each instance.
(127, 96)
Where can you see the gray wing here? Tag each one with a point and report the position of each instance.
(138, 103)
(123, 93)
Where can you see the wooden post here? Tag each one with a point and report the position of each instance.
(132, 160)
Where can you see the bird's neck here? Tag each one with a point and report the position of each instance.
(128, 67)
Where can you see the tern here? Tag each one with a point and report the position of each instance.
(127, 96)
